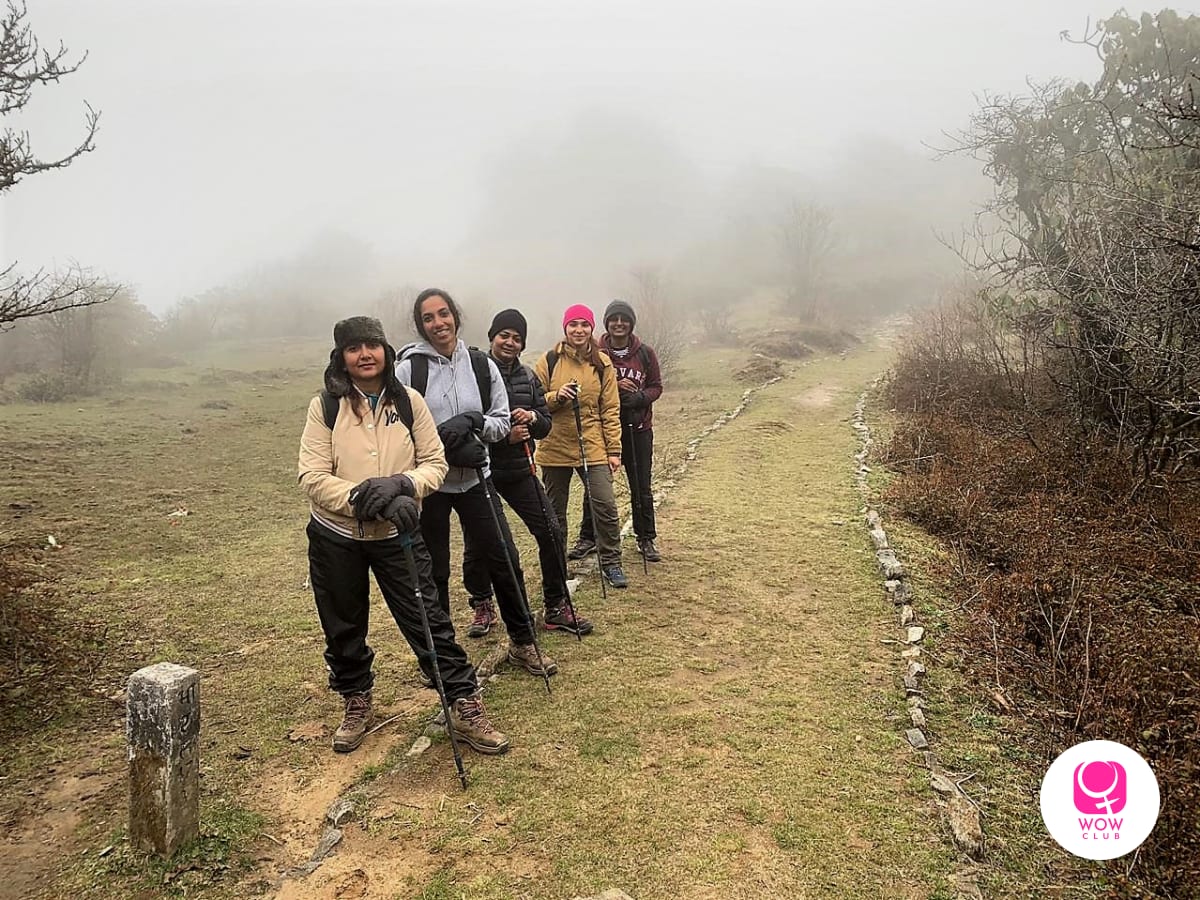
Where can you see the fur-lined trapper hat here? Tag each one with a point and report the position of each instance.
(347, 333)
(358, 330)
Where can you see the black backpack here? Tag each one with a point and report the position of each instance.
(479, 364)
(331, 404)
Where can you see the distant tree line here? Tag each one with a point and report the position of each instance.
(838, 245)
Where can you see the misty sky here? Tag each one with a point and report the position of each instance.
(233, 132)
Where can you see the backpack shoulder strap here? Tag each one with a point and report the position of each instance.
(483, 376)
(329, 407)
(405, 409)
(644, 357)
(420, 372)
(552, 361)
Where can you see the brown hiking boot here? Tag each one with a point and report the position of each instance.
(526, 656)
(484, 619)
(561, 618)
(355, 722)
(472, 725)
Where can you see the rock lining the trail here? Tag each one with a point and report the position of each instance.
(962, 816)
(341, 812)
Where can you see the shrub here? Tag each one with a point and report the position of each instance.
(52, 387)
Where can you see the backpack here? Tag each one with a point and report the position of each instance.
(479, 364)
(552, 360)
(331, 404)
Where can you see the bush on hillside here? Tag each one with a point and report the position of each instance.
(1081, 592)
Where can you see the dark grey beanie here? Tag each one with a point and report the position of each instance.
(620, 308)
(509, 318)
(358, 330)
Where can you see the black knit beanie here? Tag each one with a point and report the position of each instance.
(358, 330)
(620, 308)
(509, 318)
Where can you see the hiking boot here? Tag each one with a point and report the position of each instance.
(483, 620)
(472, 726)
(526, 656)
(560, 618)
(581, 549)
(355, 722)
(616, 577)
(649, 550)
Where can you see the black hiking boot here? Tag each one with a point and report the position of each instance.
(649, 550)
(581, 549)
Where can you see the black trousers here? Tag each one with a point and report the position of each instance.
(478, 529)
(637, 455)
(528, 500)
(338, 569)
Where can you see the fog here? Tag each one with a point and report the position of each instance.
(519, 152)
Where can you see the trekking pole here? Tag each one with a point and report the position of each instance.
(587, 482)
(512, 570)
(406, 543)
(635, 498)
(558, 548)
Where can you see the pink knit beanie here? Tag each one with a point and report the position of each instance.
(579, 311)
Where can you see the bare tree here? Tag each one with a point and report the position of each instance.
(25, 65)
(93, 342)
(659, 323)
(807, 241)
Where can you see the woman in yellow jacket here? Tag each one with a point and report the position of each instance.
(577, 370)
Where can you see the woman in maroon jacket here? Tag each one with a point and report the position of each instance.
(639, 381)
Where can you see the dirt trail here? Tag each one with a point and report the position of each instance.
(49, 820)
(733, 729)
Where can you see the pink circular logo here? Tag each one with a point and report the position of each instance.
(1099, 800)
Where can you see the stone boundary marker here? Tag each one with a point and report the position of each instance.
(162, 730)
(961, 813)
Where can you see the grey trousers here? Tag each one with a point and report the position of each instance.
(600, 490)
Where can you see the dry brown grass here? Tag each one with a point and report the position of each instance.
(1078, 597)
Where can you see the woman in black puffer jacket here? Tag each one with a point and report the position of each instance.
(514, 478)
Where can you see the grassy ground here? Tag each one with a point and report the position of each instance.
(734, 728)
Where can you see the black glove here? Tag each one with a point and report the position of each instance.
(633, 400)
(458, 429)
(371, 496)
(472, 455)
(404, 513)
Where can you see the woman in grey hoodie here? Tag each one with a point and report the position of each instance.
(466, 395)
